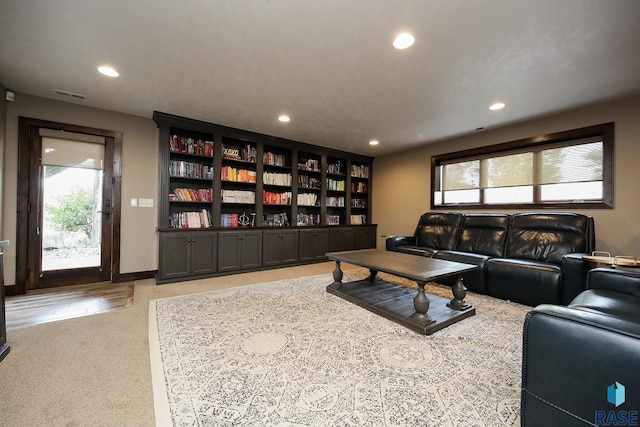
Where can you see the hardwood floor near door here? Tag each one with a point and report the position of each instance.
(65, 303)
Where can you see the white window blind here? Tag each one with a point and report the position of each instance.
(68, 153)
(575, 163)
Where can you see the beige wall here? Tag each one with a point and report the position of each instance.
(402, 182)
(139, 175)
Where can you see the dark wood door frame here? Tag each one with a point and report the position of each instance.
(28, 171)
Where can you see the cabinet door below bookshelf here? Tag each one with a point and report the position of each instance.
(239, 249)
(314, 244)
(365, 237)
(279, 247)
(204, 253)
(341, 239)
(187, 254)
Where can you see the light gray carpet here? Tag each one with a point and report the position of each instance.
(288, 353)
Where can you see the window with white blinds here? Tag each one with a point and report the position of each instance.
(558, 170)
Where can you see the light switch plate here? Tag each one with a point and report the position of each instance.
(134, 203)
(146, 203)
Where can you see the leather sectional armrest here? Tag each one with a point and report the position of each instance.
(574, 276)
(392, 243)
(623, 281)
(570, 357)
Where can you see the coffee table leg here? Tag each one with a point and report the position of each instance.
(459, 292)
(337, 275)
(373, 275)
(421, 304)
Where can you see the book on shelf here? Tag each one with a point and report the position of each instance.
(336, 202)
(358, 219)
(191, 194)
(308, 219)
(270, 198)
(312, 165)
(359, 171)
(275, 220)
(358, 203)
(335, 168)
(238, 220)
(332, 219)
(359, 187)
(273, 159)
(229, 220)
(305, 181)
(273, 178)
(184, 144)
(184, 169)
(238, 196)
(245, 154)
(308, 199)
(335, 185)
(229, 173)
(192, 219)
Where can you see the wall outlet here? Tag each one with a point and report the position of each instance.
(134, 203)
(146, 203)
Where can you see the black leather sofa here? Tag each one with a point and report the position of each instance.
(530, 258)
(580, 362)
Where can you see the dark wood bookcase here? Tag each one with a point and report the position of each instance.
(232, 200)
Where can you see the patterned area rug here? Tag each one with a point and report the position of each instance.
(288, 353)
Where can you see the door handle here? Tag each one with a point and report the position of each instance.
(107, 208)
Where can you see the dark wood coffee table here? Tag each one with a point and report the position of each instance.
(419, 312)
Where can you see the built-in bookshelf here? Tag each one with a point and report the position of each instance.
(230, 200)
(336, 185)
(238, 182)
(309, 194)
(212, 177)
(359, 172)
(190, 178)
(277, 190)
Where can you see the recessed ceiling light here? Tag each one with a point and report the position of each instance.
(108, 71)
(496, 106)
(284, 118)
(404, 41)
(374, 142)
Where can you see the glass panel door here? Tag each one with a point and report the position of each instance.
(71, 229)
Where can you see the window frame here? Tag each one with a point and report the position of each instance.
(536, 143)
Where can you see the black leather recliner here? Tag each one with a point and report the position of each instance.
(481, 237)
(531, 271)
(435, 231)
(577, 360)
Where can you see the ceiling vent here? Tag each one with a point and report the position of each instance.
(69, 94)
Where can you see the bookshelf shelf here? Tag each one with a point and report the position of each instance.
(238, 204)
(189, 202)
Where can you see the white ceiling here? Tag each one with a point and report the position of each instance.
(328, 63)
